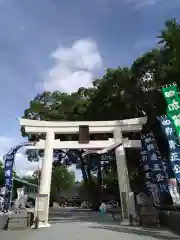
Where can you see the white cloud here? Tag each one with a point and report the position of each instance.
(22, 166)
(5, 145)
(143, 3)
(74, 67)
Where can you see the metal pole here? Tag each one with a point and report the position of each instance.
(36, 220)
(102, 181)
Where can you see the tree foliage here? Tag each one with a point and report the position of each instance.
(122, 93)
(61, 177)
(62, 180)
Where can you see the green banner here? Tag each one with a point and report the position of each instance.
(173, 106)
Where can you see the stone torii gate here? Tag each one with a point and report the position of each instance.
(117, 127)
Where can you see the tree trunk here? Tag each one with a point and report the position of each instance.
(99, 175)
(100, 182)
(93, 192)
(83, 170)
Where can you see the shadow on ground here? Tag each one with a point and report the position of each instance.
(107, 223)
(154, 233)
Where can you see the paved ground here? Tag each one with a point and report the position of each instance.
(77, 225)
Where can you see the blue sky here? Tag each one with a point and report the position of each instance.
(61, 45)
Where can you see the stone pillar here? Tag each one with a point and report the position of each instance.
(122, 171)
(46, 171)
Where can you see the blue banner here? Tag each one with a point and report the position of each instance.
(8, 173)
(146, 169)
(174, 147)
(155, 164)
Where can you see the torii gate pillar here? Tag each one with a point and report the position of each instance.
(46, 172)
(127, 204)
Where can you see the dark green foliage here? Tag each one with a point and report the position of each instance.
(122, 93)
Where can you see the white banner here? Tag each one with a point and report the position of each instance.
(174, 191)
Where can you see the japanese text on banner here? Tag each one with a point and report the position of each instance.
(174, 147)
(147, 171)
(173, 106)
(155, 163)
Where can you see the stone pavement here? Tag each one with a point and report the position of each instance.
(87, 231)
(87, 226)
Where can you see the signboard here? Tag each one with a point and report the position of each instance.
(146, 169)
(18, 219)
(84, 136)
(41, 202)
(41, 206)
(174, 147)
(154, 161)
(173, 106)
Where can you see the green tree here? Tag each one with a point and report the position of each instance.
(162, 62)
(106, 189)
(121, 93)
(62, 180)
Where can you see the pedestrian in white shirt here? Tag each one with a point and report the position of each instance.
(102, 208)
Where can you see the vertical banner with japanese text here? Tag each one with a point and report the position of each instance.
(174, 147)
(155, 164)
(8, 173)
(146, 169)
(150, 187)
(173, 106)
(150, 182)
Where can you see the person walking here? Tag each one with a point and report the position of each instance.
(102, 208)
